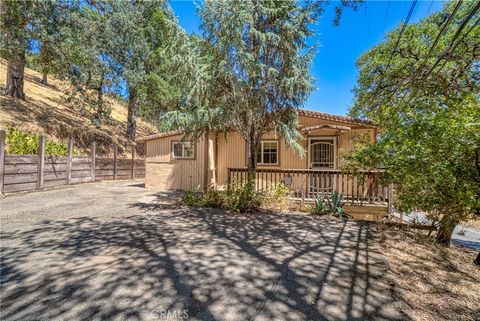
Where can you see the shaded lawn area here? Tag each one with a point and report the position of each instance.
(435, 282)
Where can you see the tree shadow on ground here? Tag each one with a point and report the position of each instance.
(202, 263)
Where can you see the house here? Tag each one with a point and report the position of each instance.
(173, 163)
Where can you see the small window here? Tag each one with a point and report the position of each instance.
(183, 150)
(267, 153)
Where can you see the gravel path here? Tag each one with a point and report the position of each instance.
(117, 251)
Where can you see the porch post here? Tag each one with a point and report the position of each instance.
(390, 200)
(212, 179)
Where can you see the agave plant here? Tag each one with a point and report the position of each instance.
(336, 203)
(321, 206)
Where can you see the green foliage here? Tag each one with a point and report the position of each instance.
(19, 143)
(276, 196)
(429, 110)
(333, 205)
(321, 206)
(239, 198)
(191, 198)
(336, 203)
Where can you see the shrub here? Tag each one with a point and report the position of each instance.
(333, 205)
(191, 198)
(211, 198)
(336, 203)
(21, 143)
(240, 198)
(321, 206)
(276, 196)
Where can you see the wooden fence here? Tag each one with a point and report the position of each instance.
(30, 172)
(306, 184)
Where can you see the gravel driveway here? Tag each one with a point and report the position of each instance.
(117, 251)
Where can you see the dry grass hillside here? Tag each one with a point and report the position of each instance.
(45, 111)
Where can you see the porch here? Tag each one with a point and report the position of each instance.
(305, 185)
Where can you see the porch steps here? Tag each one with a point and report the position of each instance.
(366, 213)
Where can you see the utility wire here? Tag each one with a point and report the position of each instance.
(429, 8)
(449, 51)
(451, 47)
(404, 26)
(386, 17)
(458, 42)
(442, 31)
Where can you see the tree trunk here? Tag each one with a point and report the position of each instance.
(445, 230)
(15, 74)
(133, 104)
(44, 77)
(100, 108)
(252, 144)
(477, 260)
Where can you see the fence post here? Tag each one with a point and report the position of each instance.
(390, 200)
(133, 161)
(229, 178)
(115, 151)
(303, 192)
(2, 158)
(69, 160)
(93, 153)
(41, 161)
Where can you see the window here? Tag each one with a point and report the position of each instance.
(267, 153)
(322, 153)
(183, 149)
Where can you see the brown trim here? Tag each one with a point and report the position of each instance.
(337, 118)
(159, 135)
(173, 159)
(308, 129)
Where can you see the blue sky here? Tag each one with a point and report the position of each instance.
(334, 65)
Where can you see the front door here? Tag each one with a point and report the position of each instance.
(322, 155)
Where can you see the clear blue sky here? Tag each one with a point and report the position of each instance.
(334, 65)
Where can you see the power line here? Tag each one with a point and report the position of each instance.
(451, 47)
(386, 16)
(429, 8)
(442, 31)
(404, 26)
(369, 23)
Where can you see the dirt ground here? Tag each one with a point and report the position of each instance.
(435, 282)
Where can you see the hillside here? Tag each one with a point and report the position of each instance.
(44, 111)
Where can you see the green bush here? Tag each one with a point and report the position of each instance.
(276, 196)
(238, 198)
(20, 143)
(191, 198)
(333, 205)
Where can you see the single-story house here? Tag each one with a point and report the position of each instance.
(174, 163)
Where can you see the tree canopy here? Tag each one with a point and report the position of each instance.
(424, 94)
(252, 70)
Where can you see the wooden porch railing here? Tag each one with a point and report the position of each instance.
(362, 188)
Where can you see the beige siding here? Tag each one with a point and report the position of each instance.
(162, 171)
(231, 153)
(232, 150)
